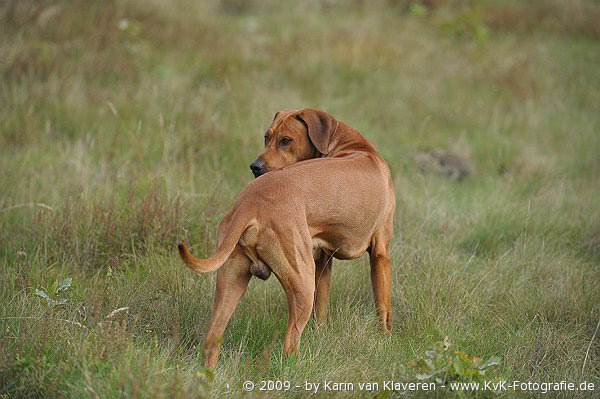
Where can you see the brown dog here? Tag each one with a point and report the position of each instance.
(338, 203)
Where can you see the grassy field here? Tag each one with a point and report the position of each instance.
(126, 126)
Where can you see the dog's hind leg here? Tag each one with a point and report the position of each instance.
(300, 293)
(290, 257)
(232, 280)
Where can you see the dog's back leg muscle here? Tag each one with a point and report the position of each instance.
(296, 273)
(232, 280)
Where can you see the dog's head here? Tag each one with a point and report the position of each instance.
(295, 136)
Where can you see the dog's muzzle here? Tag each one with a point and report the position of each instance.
(257, 167)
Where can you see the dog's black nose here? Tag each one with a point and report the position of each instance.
(257, 167)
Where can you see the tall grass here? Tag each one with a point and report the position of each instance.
(127, 126)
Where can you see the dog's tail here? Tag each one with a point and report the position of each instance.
(224, 250)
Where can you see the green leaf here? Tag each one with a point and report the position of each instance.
(457, 367)
(60, 302)
(41, 293)
(424, 376)
(429, 364)
(493, 361)
(64, 285)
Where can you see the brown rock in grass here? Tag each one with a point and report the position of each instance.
(444, 162)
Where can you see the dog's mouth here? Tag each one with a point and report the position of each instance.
(258, 173)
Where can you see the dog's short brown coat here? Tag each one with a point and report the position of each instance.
(338, 202)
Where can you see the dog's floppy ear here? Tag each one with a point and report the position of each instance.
(320, 126)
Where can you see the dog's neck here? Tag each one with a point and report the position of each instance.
(345, 140)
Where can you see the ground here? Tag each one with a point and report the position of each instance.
(127, 126)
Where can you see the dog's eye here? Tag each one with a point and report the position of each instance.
(266, 139)
(285, 141)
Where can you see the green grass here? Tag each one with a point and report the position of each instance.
(133, 124)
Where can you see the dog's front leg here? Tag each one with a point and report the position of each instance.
(381, 279)
(323, 263)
